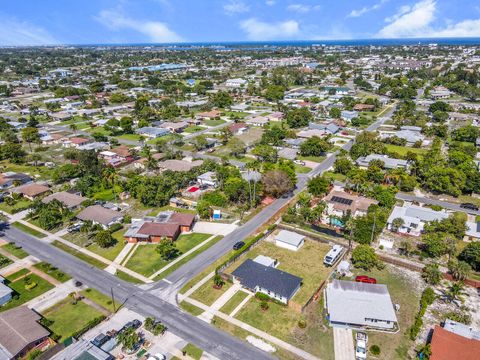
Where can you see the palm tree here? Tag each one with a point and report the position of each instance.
(74, 128)
(456, 292)
(460, 270)
(406, 247)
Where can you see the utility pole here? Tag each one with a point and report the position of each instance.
(373, 227)
(113, 300)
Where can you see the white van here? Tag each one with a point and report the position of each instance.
(333, 255)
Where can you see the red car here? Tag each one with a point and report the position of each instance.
(365, 279)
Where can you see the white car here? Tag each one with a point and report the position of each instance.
(157, 356)
(361, 346)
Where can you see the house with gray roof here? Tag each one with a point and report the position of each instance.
(152, 132)
(277, 284)
(360, 305)
(82, 350)
(5, 292)
(97, 214)
(389, 163)
(414, 218)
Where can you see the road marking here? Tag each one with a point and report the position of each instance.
(168, 281)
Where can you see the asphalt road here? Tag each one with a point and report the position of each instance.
(190, 328)
(443, 204)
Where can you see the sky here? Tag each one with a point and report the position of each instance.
(47, 22)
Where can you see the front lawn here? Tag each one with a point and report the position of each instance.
(317, 159)
(130, 137)
(101, 299)
(27, 229)
(51, 270)
(234, 301)
(21, 294)
(207, 294)
(193, 351)
(18, 206)
(194, 129)
(80, 255)
(214, 122)
(403, 150)
(146, 260)
(4, 261)
(190, 308)
(111, 252)
(15, 250)
(69, 317)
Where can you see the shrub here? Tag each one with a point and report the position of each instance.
(115, 227)
(262, 297)
(264, 305)
(458, 316)
(90, 325)
(375, 349)
(302, 323)
(30, 285)
(428, 297)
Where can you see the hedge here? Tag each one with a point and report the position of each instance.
(90, 325)
(428, 297)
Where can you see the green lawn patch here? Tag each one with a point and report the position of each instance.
(194, 129)
(107, 194)
(51, 270)
(334, 176)
(21, 294)
(17, 274)
(147, 261)
(207, 294)
(69, 317)
(317, 159)
(101, 299)
(186, 259)
(155, 211)
(126, 277)
(214, 122)
(190, 308)
(15, 250)
(4, 261)
(81, 256)
(234, 301)
(18, 206)
(302, 169)
(27, 229)
(403, 150)
(111, 252)
(193, 351)
(131, 137)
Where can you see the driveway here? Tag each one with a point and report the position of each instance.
(214, 228)
(343, 344)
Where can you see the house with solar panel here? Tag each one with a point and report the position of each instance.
(341, 203)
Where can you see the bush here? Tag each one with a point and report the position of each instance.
(90, 325)
(115, 227)
(428, 297)
(262, 297)
(264, 305)
(30, 285)
(302, 323)
(458, 316)
(375, 349)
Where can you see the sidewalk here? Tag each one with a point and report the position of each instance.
(207, 316)
(51, 297)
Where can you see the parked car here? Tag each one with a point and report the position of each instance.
(299, 162)
(365, 279)
(131, 324)
(100, 339)
(361, 346)
(238, 245)
(157, 356)
(469, 206)
(75, 227)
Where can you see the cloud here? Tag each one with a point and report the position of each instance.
(270, 2)
(303, 8)
(155, 30)
(260, 30)
(235, 7)
(465, 28)
(14, 32)
(410, 22)
(366, 9)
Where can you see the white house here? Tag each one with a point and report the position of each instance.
(289, 240)
(414, 218)
(236, 83)
(5, 292)
(209, 178)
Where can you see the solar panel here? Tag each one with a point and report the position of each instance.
(341, 200)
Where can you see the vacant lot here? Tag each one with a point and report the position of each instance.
(146, 260)
(306, 263)
(403, 150)
(69, 317)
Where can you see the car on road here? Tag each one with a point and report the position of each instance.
(365, 279)
(361, 346)
(238, 245)
(469, 206)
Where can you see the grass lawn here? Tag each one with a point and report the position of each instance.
(190, 308)
(4, 261)
(126, 277)
(403, 150)
(107, 195)
(186, 259)
(207, 294)
(147, 261)
(15, 250)
(131, 137)
(16, 275)
(69, 318)
(193, 351)
(402, 291)
(214, 122)
(317, 159)
(302, 169)
(28, 230)
(155, 211)
(51, 270)
(44, 172)
(334, 176)
(305, 263)
(23, 295)
(111, 252)
(194, 129)
(234, 301)
(99, 298)
(81, 256)
(17, 207)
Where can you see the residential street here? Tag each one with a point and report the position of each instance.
(443, 204)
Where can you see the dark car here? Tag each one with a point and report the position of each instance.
(238, 245)
(365, 279)
(469, 206)
(100, 339)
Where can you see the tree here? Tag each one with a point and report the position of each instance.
(315, 146)
(128, 338)
(126, 123)
(318, 185)
(335, 113)
(397, 223)
(167, 249)
(276, 183)
(30, 135)
(460, 270)
(218, 281)
(432, 274)
(236, 146)
(364, 257)
(104, 239)
(266, 153)
(471, 255)
(406, 248)
(200, 142)
(343, 165)
(435, 244)
(455, 292)
(274, 92)
(300, 117)
(222, 99)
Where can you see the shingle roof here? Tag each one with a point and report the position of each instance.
(19, 328)
(32, 189)
(158, 229)
(68, 199)
(252, 274)
(99, 214)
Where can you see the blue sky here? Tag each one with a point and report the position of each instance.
(39, 22)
